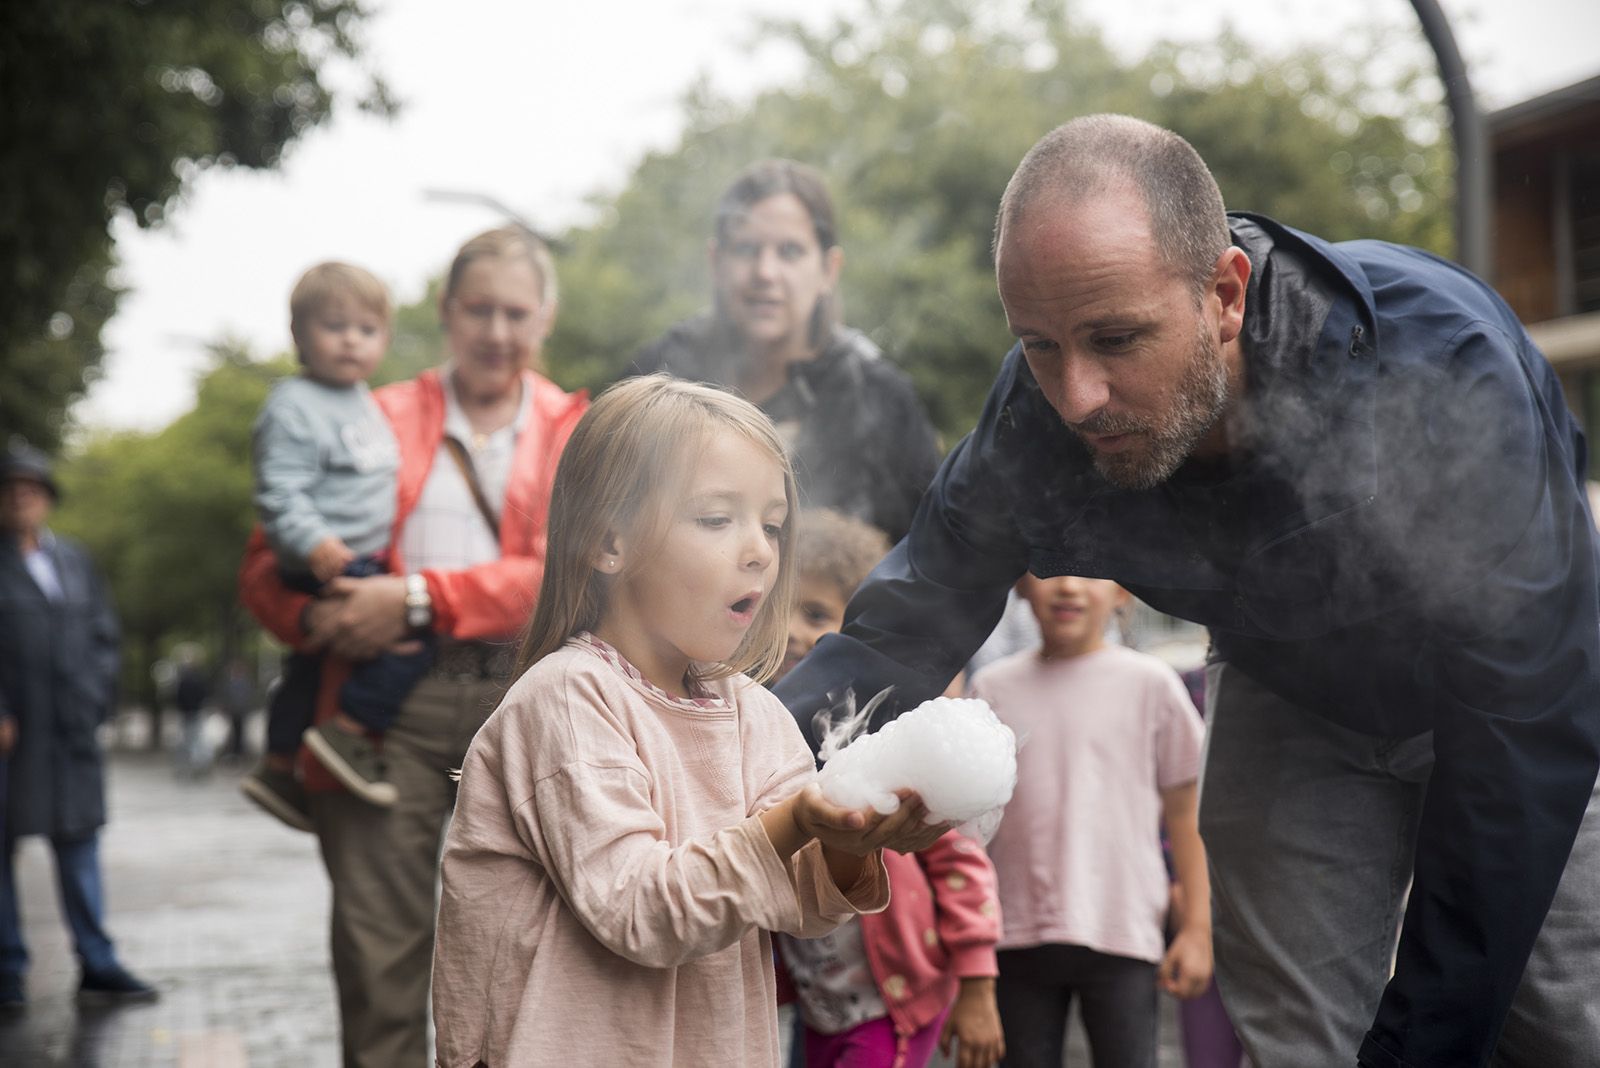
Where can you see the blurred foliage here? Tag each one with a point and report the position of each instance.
(919, 111)
(166, 514)
(110, 108)
(417, 342)
(41, 374)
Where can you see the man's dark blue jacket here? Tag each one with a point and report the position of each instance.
(1400, 543)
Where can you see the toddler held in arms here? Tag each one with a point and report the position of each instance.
(639, 811)
(325, 463)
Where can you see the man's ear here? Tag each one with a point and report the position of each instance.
(1230, 280)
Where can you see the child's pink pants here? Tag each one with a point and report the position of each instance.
(872, 1045)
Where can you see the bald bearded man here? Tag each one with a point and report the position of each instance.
(1349, 462)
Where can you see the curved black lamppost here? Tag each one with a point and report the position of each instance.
(1473, 239)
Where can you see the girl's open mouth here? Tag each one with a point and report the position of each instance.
(744, 609)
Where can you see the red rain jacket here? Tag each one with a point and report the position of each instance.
(489, 601)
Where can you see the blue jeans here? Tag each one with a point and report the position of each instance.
(1309, 829)
(82, 901)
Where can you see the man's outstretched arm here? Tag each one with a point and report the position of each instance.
(933, 600)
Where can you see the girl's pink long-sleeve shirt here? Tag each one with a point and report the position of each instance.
(607, 887)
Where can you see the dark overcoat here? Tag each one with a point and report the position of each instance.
(58, 673)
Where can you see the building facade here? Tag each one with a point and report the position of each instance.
(1546, 221)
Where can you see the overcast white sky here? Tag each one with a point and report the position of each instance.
(541, 103)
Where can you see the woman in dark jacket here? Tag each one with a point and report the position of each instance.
(859, 437)
(58, 671)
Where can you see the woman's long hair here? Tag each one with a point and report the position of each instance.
(628, 461)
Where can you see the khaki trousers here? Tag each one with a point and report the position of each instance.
(384, 865)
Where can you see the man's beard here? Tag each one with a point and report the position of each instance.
(1199, 401)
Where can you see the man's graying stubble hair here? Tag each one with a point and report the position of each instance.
(1097, 153)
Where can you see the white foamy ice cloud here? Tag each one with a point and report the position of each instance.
(955, 753)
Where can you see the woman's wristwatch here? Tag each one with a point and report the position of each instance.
(419, 605)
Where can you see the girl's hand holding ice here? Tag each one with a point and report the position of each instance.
(905, 830)
(848, 835)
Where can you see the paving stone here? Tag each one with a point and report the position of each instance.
(225, 911)
(218, 905)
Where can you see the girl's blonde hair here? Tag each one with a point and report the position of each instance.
(634, 449)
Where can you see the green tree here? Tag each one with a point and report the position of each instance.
(110, 107)
(417, 342)
(919, 111)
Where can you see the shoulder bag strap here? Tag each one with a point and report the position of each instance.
(458, 453)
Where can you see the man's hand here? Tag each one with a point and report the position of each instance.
(369, 616)
(329, 558)
(1185, 971)
(318, 621)
(974, 1026)
(8, 735)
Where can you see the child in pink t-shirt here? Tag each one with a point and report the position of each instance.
(1110, 748)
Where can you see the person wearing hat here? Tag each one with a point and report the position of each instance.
(58, 672)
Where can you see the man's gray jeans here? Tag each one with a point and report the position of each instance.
(1310, 830)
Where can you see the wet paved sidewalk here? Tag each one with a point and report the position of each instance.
(219, 906)
(225, 911)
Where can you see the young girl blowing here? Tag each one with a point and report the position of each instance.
(638, 812)
(1111, 749)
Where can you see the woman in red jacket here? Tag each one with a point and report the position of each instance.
(479, 441)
